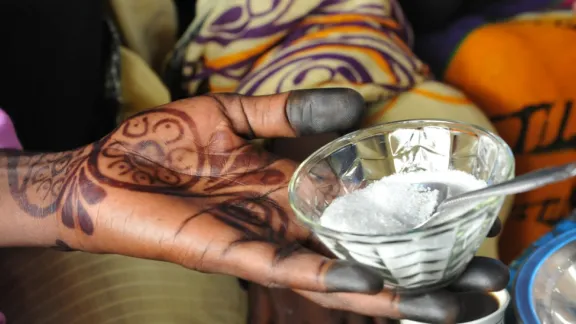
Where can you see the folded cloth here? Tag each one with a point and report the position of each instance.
(261, 47)
(520, 71)
(8, 138)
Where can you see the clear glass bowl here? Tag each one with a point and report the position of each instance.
(422, 259)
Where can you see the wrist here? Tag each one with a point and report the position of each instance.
(32, 187)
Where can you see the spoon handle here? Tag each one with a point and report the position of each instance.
(523, 183)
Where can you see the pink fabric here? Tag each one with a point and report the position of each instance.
(8, 137)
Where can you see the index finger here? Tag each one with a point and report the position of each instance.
(295, 267)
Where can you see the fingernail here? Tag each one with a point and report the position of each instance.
(440, 307)
(317, 111)
(346, 276)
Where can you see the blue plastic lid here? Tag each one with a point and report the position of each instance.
(546, 264)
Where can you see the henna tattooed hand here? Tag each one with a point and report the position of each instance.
(182, 183)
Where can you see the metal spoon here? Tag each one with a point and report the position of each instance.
(523, 183)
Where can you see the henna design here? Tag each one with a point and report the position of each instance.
(55, 183)
(153, 152)
(177, 164)
(160, 152)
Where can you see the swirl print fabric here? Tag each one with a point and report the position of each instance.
(258, 47)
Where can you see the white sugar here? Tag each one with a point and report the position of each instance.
(393, 203)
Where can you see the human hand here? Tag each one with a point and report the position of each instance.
(281, 306)
(181, 183)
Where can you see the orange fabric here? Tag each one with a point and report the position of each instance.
(522, 75)
(241, 56)
(326, 20)
(443, 98)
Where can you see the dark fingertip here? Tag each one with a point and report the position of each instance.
(244, 284)
(496, 228)
(346, 276)
(483, 274)
(317, 111)
(438, 307)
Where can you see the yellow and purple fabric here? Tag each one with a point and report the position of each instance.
(516, 59)
(257, 47)
(260, 47)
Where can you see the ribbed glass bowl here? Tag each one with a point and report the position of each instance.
(417, 260)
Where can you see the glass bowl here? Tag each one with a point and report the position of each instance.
(417, 260)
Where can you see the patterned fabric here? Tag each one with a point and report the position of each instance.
(258, 47)
(524, 81)
(44, 286)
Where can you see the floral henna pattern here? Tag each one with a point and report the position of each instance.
(44, 184)
(160, 152)
(156, 151)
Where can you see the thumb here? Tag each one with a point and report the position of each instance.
(295, 113)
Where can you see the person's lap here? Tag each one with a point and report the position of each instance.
(46, 286)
